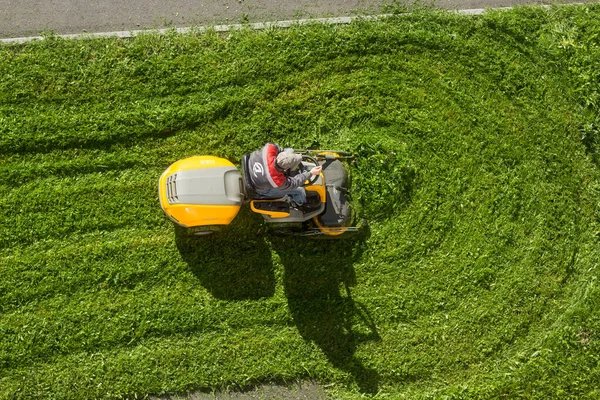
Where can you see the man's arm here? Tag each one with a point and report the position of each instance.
(297, 181)
(292, 182)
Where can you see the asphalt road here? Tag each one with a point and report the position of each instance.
(24, 18)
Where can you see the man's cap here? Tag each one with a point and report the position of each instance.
(288, 160)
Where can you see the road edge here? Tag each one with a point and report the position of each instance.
(233, 27)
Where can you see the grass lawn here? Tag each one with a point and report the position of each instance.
(478, 155)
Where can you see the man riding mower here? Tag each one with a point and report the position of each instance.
(204, 193)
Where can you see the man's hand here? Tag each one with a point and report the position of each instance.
(316, 170)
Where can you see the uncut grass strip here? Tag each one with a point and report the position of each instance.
(32, 285)
(91, 241)
(16, 173)
(53, 137)
(108, 320)
(126, 260)
(58, 281)
(72, 265)
(105, 125)
(36, 137)
(57, 207)
(151, 155)
(172, 365)
(148, 153)
(34, 227)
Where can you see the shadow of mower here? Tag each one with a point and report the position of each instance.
(317, 281)
(234, 263)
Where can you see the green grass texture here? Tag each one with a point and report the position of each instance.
(477, 167)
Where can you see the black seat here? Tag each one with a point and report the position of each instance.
(312, 198)
(249, 190)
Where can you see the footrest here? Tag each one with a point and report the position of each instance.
(271, 206)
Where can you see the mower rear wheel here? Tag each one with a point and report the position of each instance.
(286, 229)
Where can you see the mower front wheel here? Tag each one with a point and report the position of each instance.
(202, 230)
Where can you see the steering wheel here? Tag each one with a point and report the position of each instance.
(313, 178)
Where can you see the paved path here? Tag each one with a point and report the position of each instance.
(300, 391)
(24, 18)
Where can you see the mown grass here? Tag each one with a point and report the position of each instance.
(479, 148)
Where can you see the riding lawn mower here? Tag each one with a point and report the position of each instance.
(202, 194)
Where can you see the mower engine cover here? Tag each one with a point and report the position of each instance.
(201, 191)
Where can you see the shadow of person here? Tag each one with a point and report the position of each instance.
(234, 263)
(317, 280)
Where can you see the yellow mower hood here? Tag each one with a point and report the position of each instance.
(201, 191)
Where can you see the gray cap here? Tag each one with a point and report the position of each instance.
(288, 160)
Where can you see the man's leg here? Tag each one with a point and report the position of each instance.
(274, 193)
(298, 194)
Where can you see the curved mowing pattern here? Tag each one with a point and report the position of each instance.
(477, 167)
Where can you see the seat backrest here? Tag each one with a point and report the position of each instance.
(249, 191)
